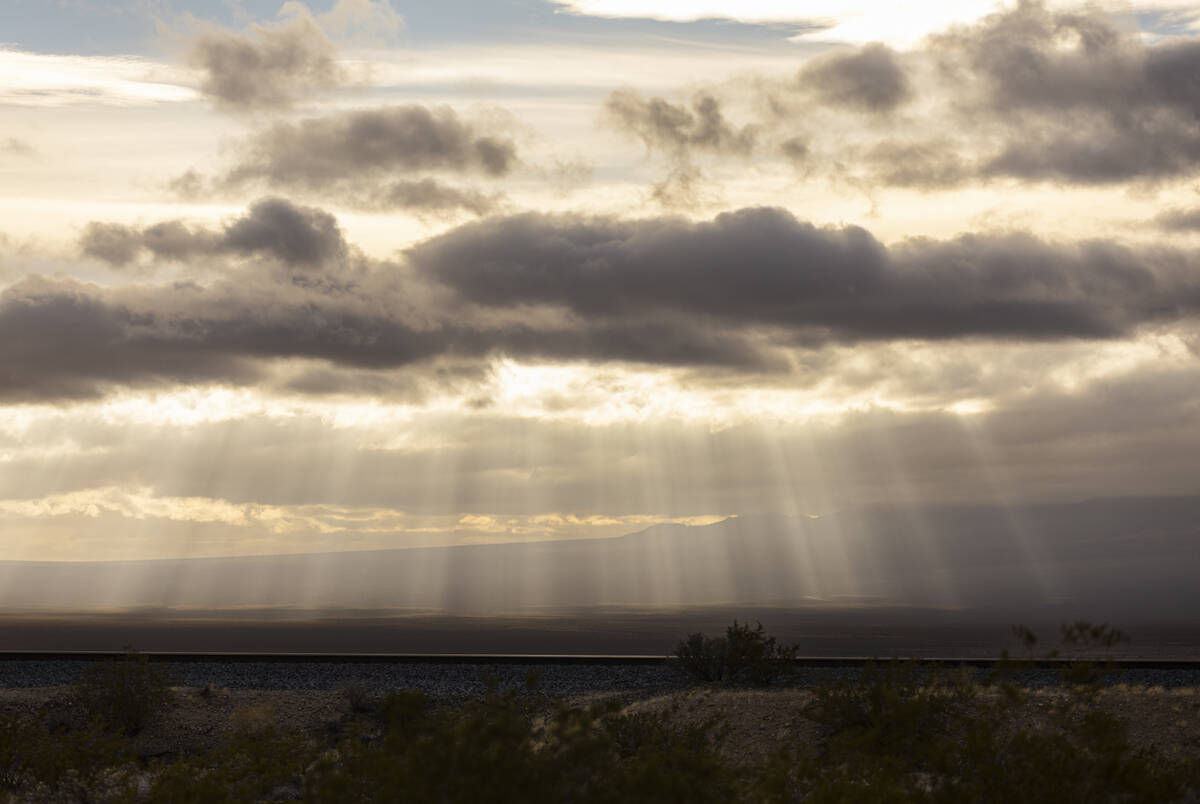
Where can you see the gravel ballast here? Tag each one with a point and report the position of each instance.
(470, 678)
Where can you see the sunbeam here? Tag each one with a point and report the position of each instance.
(570, 309)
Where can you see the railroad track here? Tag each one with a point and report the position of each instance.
(564, 659)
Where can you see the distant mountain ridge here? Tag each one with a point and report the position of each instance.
(1093, 557)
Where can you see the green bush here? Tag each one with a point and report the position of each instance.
(744, 655)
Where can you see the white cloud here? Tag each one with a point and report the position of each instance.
(860, 21)
(259, 528)
(37, 79)
(359, 22)
(855, 21)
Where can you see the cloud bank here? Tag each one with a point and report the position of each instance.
(1029, 94)
(372, 159)
(870, 79)
(742, 291)
(274, 227)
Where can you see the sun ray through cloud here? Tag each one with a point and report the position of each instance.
(574, 305)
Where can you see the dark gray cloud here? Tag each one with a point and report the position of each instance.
(930, 164)
(742, 292)
(762, 267)
(64, 339)
(1032, 58)
(270, 68)
(293, 234)
(79, 340)
(1108, 152)
(311, 300)
(176, 241)
(120, 245)
(796, 150)
(1026, 93)
(869, 79)
(113, 243)
(323, 153)
(190, 185)
(369, 159)
(1075, 98)
(430, 197)
(1179, 220)
(273, 227)
(678, 128)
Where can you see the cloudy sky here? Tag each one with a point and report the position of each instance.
(380, 273)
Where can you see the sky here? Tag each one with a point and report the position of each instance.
(287, 277)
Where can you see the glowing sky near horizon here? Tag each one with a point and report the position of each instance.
(362, 274)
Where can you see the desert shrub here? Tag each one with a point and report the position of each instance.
(906, 734)
(702, 658)
(404, 713)
(744, 655)
(658, 759)
(89, 763)
(124, 694)
(1084, 644)
(1077, 756)
(484, 749)
(901, 733)
(1087, 635)
(359, 697)
(895, 709)
(1087, 641)
(253, 766)
(492, 750)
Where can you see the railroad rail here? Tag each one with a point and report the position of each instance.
(571, 659)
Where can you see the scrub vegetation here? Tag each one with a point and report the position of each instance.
(744, 655)
(902, 733)
(123, 695)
